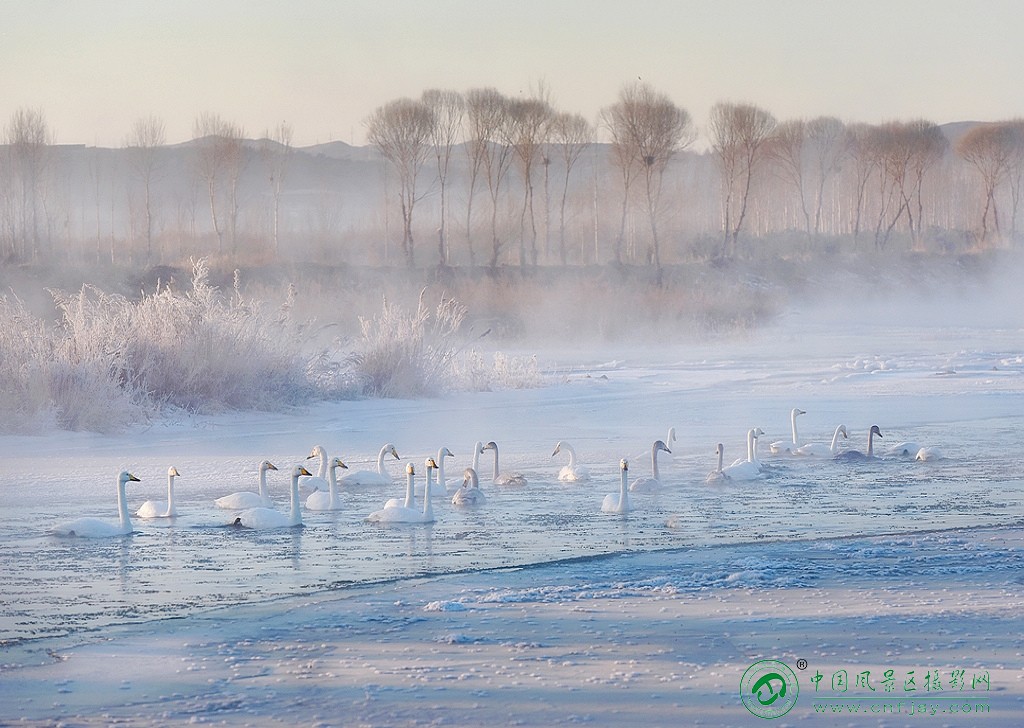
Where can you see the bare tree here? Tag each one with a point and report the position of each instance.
(528, 128)
(219, 161)
(619, 120)
(860, 143)
(573, 135)
(905, 151)
(144, 140)
(738, 136)
(401, 129)
(490, 142)
(448, 108)
(29, 139)
(276, 151)
(990, 149)
(485, 113)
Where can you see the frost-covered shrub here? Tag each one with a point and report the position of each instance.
(201, 350)
(49, 382)
(405, 353)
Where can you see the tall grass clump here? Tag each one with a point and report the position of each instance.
(201, 351)
(412, 353)
(49, 383)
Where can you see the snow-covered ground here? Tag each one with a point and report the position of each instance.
(537, 608)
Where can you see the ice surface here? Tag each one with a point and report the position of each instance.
(462, 622)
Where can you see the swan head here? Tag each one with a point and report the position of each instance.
(172, 472)
(410, 470)
(299, 470)
(558, 448)
(267, 465)
(797, 411)
(316, 452)
(479, 447)
(392, 451)
(624, 465)
(492, 445)
(470, 478)
(660, 445)
(842, 430)
(756, 432)
(336, 463)
(445, 453)
(719, 449)
(876, 431)
(671, 435)
(431, 463)
(126, 477)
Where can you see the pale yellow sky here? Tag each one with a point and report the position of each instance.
(94, 66)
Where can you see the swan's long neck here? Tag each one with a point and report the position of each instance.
(871, 443)
(835, 439)
(332, 484)
(624, 491)
(428, 507)
(322, 470)
(170, 494)
(441, 480)
(751, 439)
(721, 458)
(495, 462)
(792, 421)
(263, 482)
(654, 462)
(380, 461)
(295, 515)
(122, 508)
(410, 490)
(476, 456)
(572, 455)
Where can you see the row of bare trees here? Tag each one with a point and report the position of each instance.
(515, 165)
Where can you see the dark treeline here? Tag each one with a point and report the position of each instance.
(480, 179)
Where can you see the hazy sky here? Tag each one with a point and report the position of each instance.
(95, 66)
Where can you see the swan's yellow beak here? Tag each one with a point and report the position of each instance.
(303, 471)
(271, 466)
(132, 478)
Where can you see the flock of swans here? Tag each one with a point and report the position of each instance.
(256, 510)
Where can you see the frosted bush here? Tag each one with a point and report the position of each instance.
(200, 351)
(413, 353)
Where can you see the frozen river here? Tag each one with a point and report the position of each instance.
(960, 389)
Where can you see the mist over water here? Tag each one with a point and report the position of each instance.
(941, 366)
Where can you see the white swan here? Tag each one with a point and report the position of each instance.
(670, 438)
(97, 528)
(781, 447)
(434, 472)
(904, 449)
(369, 477)
(247, 499)
(820, 449)
(329, 500)
(929, 453)
(478, 450)
(857, 454)
(161, 509)
(319, 481)
(442, 480)
(267, 518)
(748, 469)
(469, 494)
(503, 478)
(572, 472)
(394, 513)
(718, 476)
(652, 483)
(619, 502)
